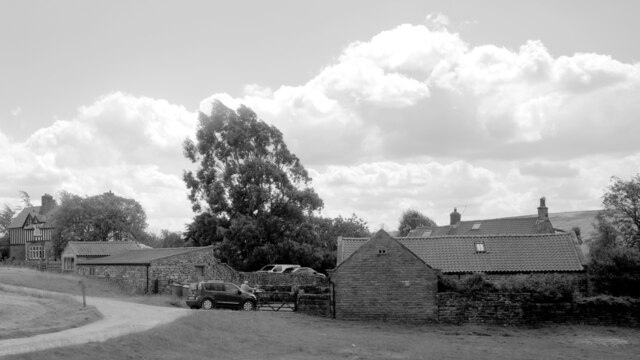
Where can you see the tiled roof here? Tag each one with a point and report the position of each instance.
(19, 220)
(141, 256)
(504, 253)
(515, 225)
(101, 248)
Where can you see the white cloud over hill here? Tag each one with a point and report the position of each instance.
(412, 118)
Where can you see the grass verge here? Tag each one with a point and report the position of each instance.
(226, 334)
(27, 312)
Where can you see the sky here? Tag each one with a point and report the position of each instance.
(390, 105)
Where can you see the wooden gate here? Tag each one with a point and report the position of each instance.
(276, 300)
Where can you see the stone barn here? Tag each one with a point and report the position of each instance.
(81, 251)
(384, 280)
(154, 270)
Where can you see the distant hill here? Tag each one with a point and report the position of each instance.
(585, 220)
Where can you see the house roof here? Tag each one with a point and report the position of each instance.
(140, 256)
(512, 225)
(101, 248)
(505, 253)
(22, 216)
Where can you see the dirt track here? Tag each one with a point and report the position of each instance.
(119, 318)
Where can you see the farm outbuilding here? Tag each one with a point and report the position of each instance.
(81, 251)
(154, 270)
(383, 280)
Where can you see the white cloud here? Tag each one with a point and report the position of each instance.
(129, 145)
(414, 117)
(499, 127)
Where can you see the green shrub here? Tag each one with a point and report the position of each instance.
(544, 287)
(616, 271)
(619, 302)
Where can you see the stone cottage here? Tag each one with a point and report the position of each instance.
(384, 280)
(154, 270)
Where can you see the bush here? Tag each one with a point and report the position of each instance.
(544, 287)
(616, 271)
(474, 284)
(620, 302)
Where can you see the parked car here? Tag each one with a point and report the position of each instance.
(210, 294)
(277, 268)
(304, 271)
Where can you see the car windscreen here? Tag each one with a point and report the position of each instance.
(289, 270)
(267, 267)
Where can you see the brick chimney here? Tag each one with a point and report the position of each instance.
(455, 217)
(47, 204)
(543, 211)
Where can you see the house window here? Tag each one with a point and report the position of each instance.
(36, 252)
(480, 247)
(476, 226)
(92, 270)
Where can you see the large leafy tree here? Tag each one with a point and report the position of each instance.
(6, 215)
(412, 219)
(255, 191)
(622, 209)
(96, 218)
(615, 253)
(328, 230)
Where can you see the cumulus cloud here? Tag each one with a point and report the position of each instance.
(501, 127)
(414, 117)
(129, 145)
(412, 91)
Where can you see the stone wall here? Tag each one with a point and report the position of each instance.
(130, 277)
(256, 278)
(314, 304)
(526, 309)
(194, 266)
(383, 280)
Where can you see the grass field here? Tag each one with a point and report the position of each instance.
(225, 334)
(70, 284)
(26, 312)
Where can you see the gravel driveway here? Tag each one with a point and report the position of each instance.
(119, 318)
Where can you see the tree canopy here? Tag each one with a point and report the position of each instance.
(412, 219)
(614, 265)
(622, 206)
(96, 218)
(249, 189)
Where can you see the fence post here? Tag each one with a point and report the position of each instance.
(84, 300)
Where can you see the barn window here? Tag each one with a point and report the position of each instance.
(480, 247)
(382, 251)
(199, 270)
(92, 270)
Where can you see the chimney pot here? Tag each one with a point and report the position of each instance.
(543, 211)
(455, 217)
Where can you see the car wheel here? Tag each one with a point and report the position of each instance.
(207, 304)
(248, 305)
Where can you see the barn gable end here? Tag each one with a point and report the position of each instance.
(383, 280)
